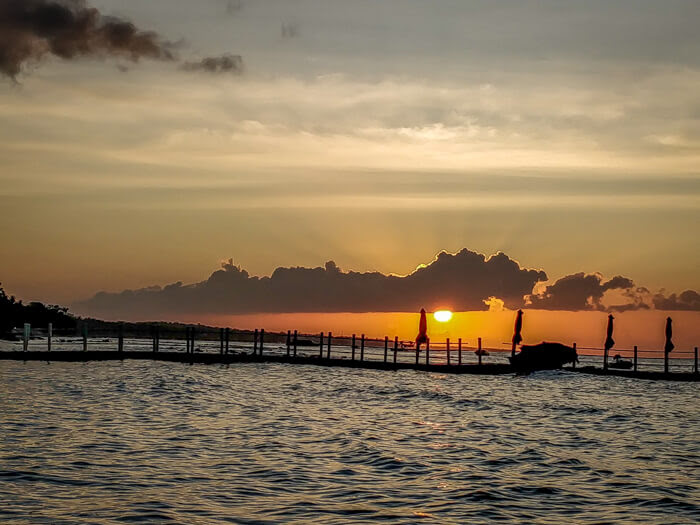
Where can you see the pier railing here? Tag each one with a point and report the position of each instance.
(161, 337)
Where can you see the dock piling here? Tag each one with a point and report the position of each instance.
(295, 343)
(362, 347)
(320, 346)
(447, 349)
(262, 341)
(427, 351)
(221, 341)
(289, 342)
(49, 336)
(85, 333)
(328, 352)
(120, 338)
(25, 336)
(386, 347)
(227, 335)
(479, 351)
(353, 347)
(459, 351)
(255, 342)
(396, 347)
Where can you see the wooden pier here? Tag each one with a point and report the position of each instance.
(258, 357)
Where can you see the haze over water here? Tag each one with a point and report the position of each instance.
(147, 441)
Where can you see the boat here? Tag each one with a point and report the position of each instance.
(619, 363)
(543, 356)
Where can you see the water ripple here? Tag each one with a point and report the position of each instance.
(146, 442)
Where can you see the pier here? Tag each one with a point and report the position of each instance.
(207, 345)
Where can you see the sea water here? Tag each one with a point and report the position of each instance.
(143, 441)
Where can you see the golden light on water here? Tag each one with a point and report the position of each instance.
(442, 316)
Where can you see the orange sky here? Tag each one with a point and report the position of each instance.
(587, 329)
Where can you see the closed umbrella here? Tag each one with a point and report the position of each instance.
(669, 333)
(609, 342)
(422, 336)
(517, 337)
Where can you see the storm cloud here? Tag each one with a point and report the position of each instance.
(32, 29)
(461, 281)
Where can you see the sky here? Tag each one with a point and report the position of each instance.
(374, 134)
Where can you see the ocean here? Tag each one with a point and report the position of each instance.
(155, 442)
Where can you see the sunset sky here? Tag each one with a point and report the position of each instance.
(371, 133)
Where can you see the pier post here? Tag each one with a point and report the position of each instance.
(120, 338)
(49, 336)
(25, 336)
(417, 351)
(154, 339)
(459, 351)
(447, 349)
(85, 330)
(605, 359)
(575, 358)
(479, 351)
(386, 347)
(353, 347)
(320, 346)
(427, 351)
(635, 358)
(187, 339)
(362, 347)
(396, 347)
(255, 342)
(221, 341)
(228, 336)
(289, 342)
(328, 352)
(262, 340)
(193, 334)
(295, 343)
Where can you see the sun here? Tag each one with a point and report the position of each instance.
(442, 316)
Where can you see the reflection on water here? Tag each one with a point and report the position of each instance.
(148, 441)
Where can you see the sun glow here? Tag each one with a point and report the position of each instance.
(442, 316)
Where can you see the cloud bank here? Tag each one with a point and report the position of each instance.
(465, 281)
(461, 281)
(226, 63)
(31, 29)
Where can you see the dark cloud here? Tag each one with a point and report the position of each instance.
(581, 291)
(461, 281)
(222, 64)
(688, 300)
(31, 29)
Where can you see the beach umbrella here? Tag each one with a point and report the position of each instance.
(517, 337)
(609, 342)
(422, 328)
(669, 333)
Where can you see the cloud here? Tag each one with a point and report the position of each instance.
(688, 300)
(463, 281)
(579, 291)
(31, 29)
(226, 63)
